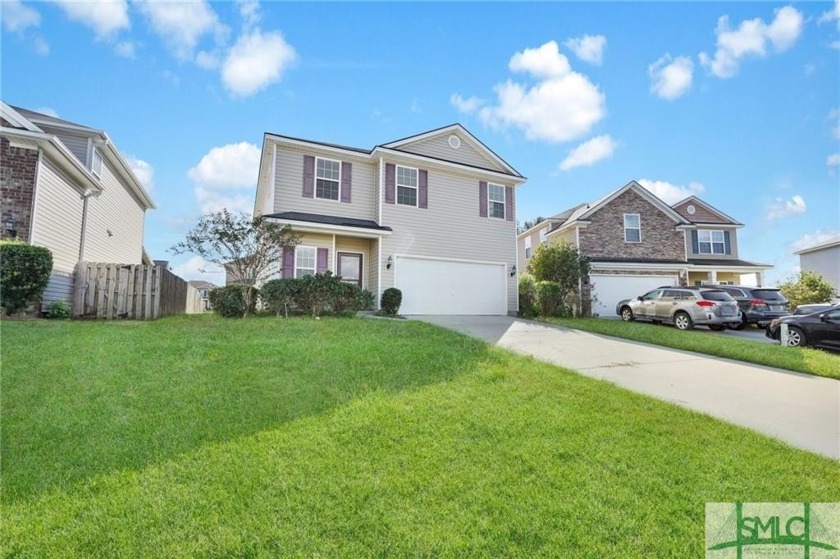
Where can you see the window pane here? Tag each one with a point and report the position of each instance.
(328, 169)
(326, 189)
(497, 209)
(305, 258)
(717, 248)
(632, 235)
(631, 221)
(406, 196)
(717, 236)
(406, 176)
(705, 248)
(497, 193)
(704, 236)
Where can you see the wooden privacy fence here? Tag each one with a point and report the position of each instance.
(132, 291)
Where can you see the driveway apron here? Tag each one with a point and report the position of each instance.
(801, 410)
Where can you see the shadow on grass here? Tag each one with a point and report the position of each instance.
(81, 399)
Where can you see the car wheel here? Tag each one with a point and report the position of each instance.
(682, 321)
(796, 337)
(626, 314)
(716, 327)
(741, 325)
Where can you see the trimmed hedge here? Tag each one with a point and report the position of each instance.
(391, 301)
(24, 273)
(229, 302)
(527, 296)
(314, 295)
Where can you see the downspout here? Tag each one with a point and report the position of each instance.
(83, 237)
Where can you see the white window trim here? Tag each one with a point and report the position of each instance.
(490, 201)
(544, 234)
(397, 186)
(315, 186)
(639, 228)
(93, 155)
(711, 242)
(527, 247)
(314, 268)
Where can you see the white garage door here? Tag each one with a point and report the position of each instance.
(431, 286)
(610, 289)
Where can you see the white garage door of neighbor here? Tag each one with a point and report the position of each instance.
(610, 289)
(431, 286)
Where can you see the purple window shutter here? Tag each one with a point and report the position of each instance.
(482, 198)
(390, 182)
(288, 262)
(423, 190)
(322, 260)
(509, 203)
(346, 181)
(308, 176)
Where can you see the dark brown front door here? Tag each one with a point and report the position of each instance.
(350, 267)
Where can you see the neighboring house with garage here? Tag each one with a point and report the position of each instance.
(823, 258)
(432, 214)
(66, 187)
(636, 242)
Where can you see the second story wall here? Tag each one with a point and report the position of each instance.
(289, 179)
(713, 242)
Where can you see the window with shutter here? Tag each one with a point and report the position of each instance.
(406, 186)
(327, 178)
(496, 200)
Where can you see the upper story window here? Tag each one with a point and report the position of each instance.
(305, 261)
(543, 234)
(528, 247)
(406, 186)
(710, 242)
(632, 228)
(327, 178)
(96, 162)
(496, 200)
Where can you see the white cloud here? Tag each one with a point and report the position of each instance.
(469, 105)
(183, 24)
(17, 17)
(256, 61)
(589, 48)
(41, 46)
(196, 268)
(125, 49)
(49, 111)
(781, 208)
(671, 77)
(212, 201)
(589, 153)
(831, 15)
(672, 193)
(228, 166)
(105, 17)
(249, 10)
(833, 161)
(815, 238)
(751, 38)
(207, 60)
(834, 45)
(563, 105)
(144, 172)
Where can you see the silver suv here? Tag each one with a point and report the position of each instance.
(685, 307)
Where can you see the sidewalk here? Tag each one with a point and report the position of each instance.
(801, 410)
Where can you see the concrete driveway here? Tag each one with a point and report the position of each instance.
(801, 410)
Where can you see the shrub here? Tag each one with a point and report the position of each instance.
(527, 296)
(364, 300)
(345, 297)
(229, 302)
(549, 298)
(24, 273)
(564, 264)
(280, 295)
(807, 287)
(58, 310)
(391, 301)
(318, 293)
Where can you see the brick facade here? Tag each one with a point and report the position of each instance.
(18, 170)
(604, 236)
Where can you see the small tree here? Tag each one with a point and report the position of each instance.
(24, 274)
(807, 287)
(247, 248)
(561, 263)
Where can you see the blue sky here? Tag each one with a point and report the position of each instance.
(738, 103)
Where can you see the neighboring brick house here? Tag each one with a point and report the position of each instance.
(432, 214)
(65, 186)
(636, 242)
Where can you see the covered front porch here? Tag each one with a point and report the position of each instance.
(723, 274)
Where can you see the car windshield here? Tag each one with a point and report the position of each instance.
(768, 294)
(716, 296)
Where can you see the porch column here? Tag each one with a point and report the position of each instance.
(334, 258)
(713, 277)
(759, 279)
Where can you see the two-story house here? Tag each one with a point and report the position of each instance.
(432, 214)
(66, 187)
(636, 242)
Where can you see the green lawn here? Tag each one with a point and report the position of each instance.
(802, 360)
(202, 437)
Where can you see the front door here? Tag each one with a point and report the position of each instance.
(350, 267)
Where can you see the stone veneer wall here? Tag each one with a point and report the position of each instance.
(18, 170)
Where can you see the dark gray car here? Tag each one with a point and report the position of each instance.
(759, 305)
(684, 307)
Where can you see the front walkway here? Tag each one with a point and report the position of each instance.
(801, 410)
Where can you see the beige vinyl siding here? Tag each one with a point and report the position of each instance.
(825, 261)
(377, 191)
(438, 147)
(58, 226)
(361, 246)
(733, 244)
(569, 236)
(118, 211)
(373, 270)
(449, 228)
(521, 261)
(78, 145)
(288, 180)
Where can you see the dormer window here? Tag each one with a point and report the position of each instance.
(96, 162)
(711, 242)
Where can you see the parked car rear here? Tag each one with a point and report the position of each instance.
(819, 329)
(684, 307)
(759, 305)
